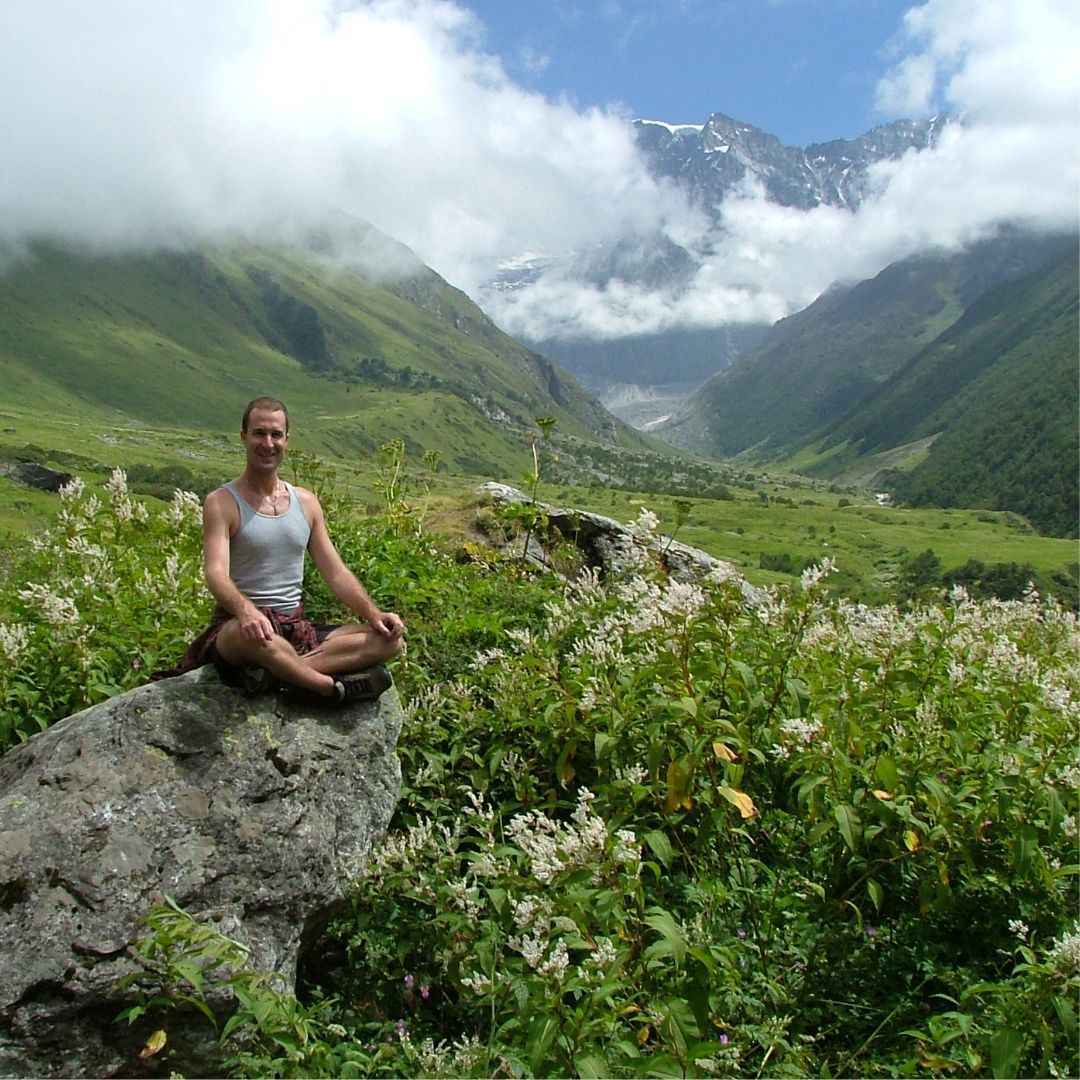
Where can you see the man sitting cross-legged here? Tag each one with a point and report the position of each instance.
(255, 532)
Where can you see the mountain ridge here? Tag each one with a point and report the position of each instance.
(187, 337)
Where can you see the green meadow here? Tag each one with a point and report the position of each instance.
(763, 518)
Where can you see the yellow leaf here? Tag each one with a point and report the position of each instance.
(911, 840)
(679, 777)
(884, 796)
(740, 800)
(725, 753)
(643, 1035)
(154, 1044)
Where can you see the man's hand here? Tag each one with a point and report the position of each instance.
(255, 626)
(387, 623)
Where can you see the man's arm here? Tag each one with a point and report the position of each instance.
(254, 625)
(342, 581)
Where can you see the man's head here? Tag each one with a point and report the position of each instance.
(264, 403)
(264, 431)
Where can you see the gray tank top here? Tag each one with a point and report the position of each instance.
(266, 554)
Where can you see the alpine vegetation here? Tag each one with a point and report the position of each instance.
(647, 827)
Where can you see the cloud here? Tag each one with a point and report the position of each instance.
(131, 125)
(1007, 68)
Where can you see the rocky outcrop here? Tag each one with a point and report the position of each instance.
(35, 475)
(251, 812)
(607, 544)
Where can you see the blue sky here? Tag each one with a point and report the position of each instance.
(803, 70)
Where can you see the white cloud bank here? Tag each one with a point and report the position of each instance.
(128, 125)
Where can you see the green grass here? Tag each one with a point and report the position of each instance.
(184, 341)
(803, 517)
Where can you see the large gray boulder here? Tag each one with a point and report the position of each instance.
(251, 812)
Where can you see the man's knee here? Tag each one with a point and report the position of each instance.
(234, 648)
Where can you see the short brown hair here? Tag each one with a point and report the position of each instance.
(268, 403)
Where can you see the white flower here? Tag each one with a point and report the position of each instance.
(477, 982)
(1065, 952)
(557, 963)
(681, 599)
(627, 849)
(523, 638)
(116, 485)
(486, 657)
(73, 490)
(604, 954)
(797, 730)
(56, 610)
(813, 574)
(644, 528)
(13, 640)
(1019, 928)
(185, 506)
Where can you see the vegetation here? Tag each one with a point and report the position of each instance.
(647, 827)
(186, 339)
(947, 380)
(999, 392)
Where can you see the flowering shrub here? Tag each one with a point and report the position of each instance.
(110, 592)
(650, 827)
(836, 812)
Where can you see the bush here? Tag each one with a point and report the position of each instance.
(112, 591)
(657, 828)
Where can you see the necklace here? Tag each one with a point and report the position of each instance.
(269, 503)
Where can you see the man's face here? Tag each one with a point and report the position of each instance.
(265, 439)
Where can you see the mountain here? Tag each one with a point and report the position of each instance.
(709, 160)
(812, 368)
(950, 379)
(996, 397)
(185, 338)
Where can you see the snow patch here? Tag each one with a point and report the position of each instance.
(673, 128)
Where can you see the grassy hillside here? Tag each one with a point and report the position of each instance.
(998, 394)
(183, 340)
(818, 365)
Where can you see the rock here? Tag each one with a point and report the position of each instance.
(607, 544)
(252, 812)
(37, 476)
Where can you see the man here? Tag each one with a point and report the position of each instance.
(255, 532)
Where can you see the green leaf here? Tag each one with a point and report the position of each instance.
(850, 826)
(660, 846)
(563, 769)
(541, 1035)
(885, 771)
(875, 892)
(679, 1026)
(1005, 1048)
(591, 1065)
(1066, 1014)
(1025, 846)
(663, 922)
(602, 743)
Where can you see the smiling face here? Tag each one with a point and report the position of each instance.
(265, 439)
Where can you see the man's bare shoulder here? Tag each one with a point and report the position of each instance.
(308, 499)
(219, 505)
